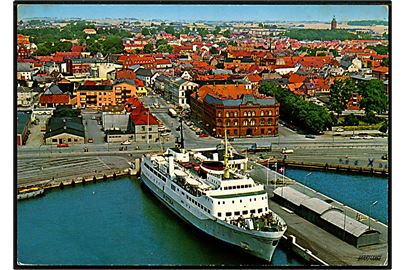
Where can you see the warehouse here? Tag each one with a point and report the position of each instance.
(326, 216)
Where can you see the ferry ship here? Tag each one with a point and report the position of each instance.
(215, 198)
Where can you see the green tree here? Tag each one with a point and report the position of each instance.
(161, 42)
(112, 44)
(384, 127)
(202, 32)
(227, 33)
(164, 48)
(216, 30)
(386, 62)
(214, 50)
(295, 109)
(340, 92)
(170, 30)
(374, 98)
(145, 32)
(351, 120)
(148, 48)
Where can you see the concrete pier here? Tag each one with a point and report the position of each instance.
(312, 241)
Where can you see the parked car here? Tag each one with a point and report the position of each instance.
(355, 137)
(368, 137)
(340, 130)
(90, 140)
(63, 145)
(203, 135)
(287, 151)
(126, 143)
(310, 136)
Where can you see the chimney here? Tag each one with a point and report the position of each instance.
(171, 165)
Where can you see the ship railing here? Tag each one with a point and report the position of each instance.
(265, 222)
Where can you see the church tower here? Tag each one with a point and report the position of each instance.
(333, 24)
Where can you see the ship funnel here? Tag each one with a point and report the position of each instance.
(215, 157)
(171, 165)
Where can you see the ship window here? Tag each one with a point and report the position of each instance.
(182, 193)
(274, 243)
(259, 210)
(228, 214)
(237, 213)
(240, 200)
(265, 208)
(253, 211)
(223, 202)
(219, 214)
(237, 186)
(173, 187)
(233, 201)
(209, 212)
(245, 212)
(262, 198)
(219, 202)
(255, 199)
(250, 199)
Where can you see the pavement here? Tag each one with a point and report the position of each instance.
(324, 245)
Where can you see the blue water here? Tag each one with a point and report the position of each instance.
(117, 223)
(356, 191)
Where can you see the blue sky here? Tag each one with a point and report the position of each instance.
(208, 12)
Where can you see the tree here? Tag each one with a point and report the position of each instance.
(170, 30)
(373, 95)
(227, 33)
(145, 32)
(216, 30)
(351, 120)
(386, 62)
(148, 48)
(161, 42)
(295, 109)
(202, 32)
(340, 93)
(112, 44)
(384, 127)
(164, 48)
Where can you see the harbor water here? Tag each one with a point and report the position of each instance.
(119, 223)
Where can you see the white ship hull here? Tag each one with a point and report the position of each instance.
(258, 243)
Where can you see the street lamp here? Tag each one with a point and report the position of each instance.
(305, 178)
(369, 214)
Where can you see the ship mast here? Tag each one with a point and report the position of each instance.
(226, 157)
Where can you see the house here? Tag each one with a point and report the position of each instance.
(26, 96)
(380, 73)
(23, 124)
(53, 100)
(124, 89)
(24, 71)
(144, 75)
(95, 96)
(89, 31)
(64, 130)
(243, 112)
(175, 89)
(163, 63)
(144, 125)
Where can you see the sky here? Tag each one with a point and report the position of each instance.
(208, 12)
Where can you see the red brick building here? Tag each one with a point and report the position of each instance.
(242, 112)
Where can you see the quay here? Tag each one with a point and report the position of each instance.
(316, 244)
(64, 171)
(308, 240)
(331, 167)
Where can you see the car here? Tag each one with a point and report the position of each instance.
(203, 135)
(340, 130)
(310, 136)
(90, 140)
(63, 145)
(355, 137)
(368, 137)
(126, 143)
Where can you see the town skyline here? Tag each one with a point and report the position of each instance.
(258, 13)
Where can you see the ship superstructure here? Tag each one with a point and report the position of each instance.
(215, 198)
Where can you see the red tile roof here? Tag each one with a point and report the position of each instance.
(226, 91)
(54, 99)
(254, 78)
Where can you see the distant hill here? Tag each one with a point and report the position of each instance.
(367, 23)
